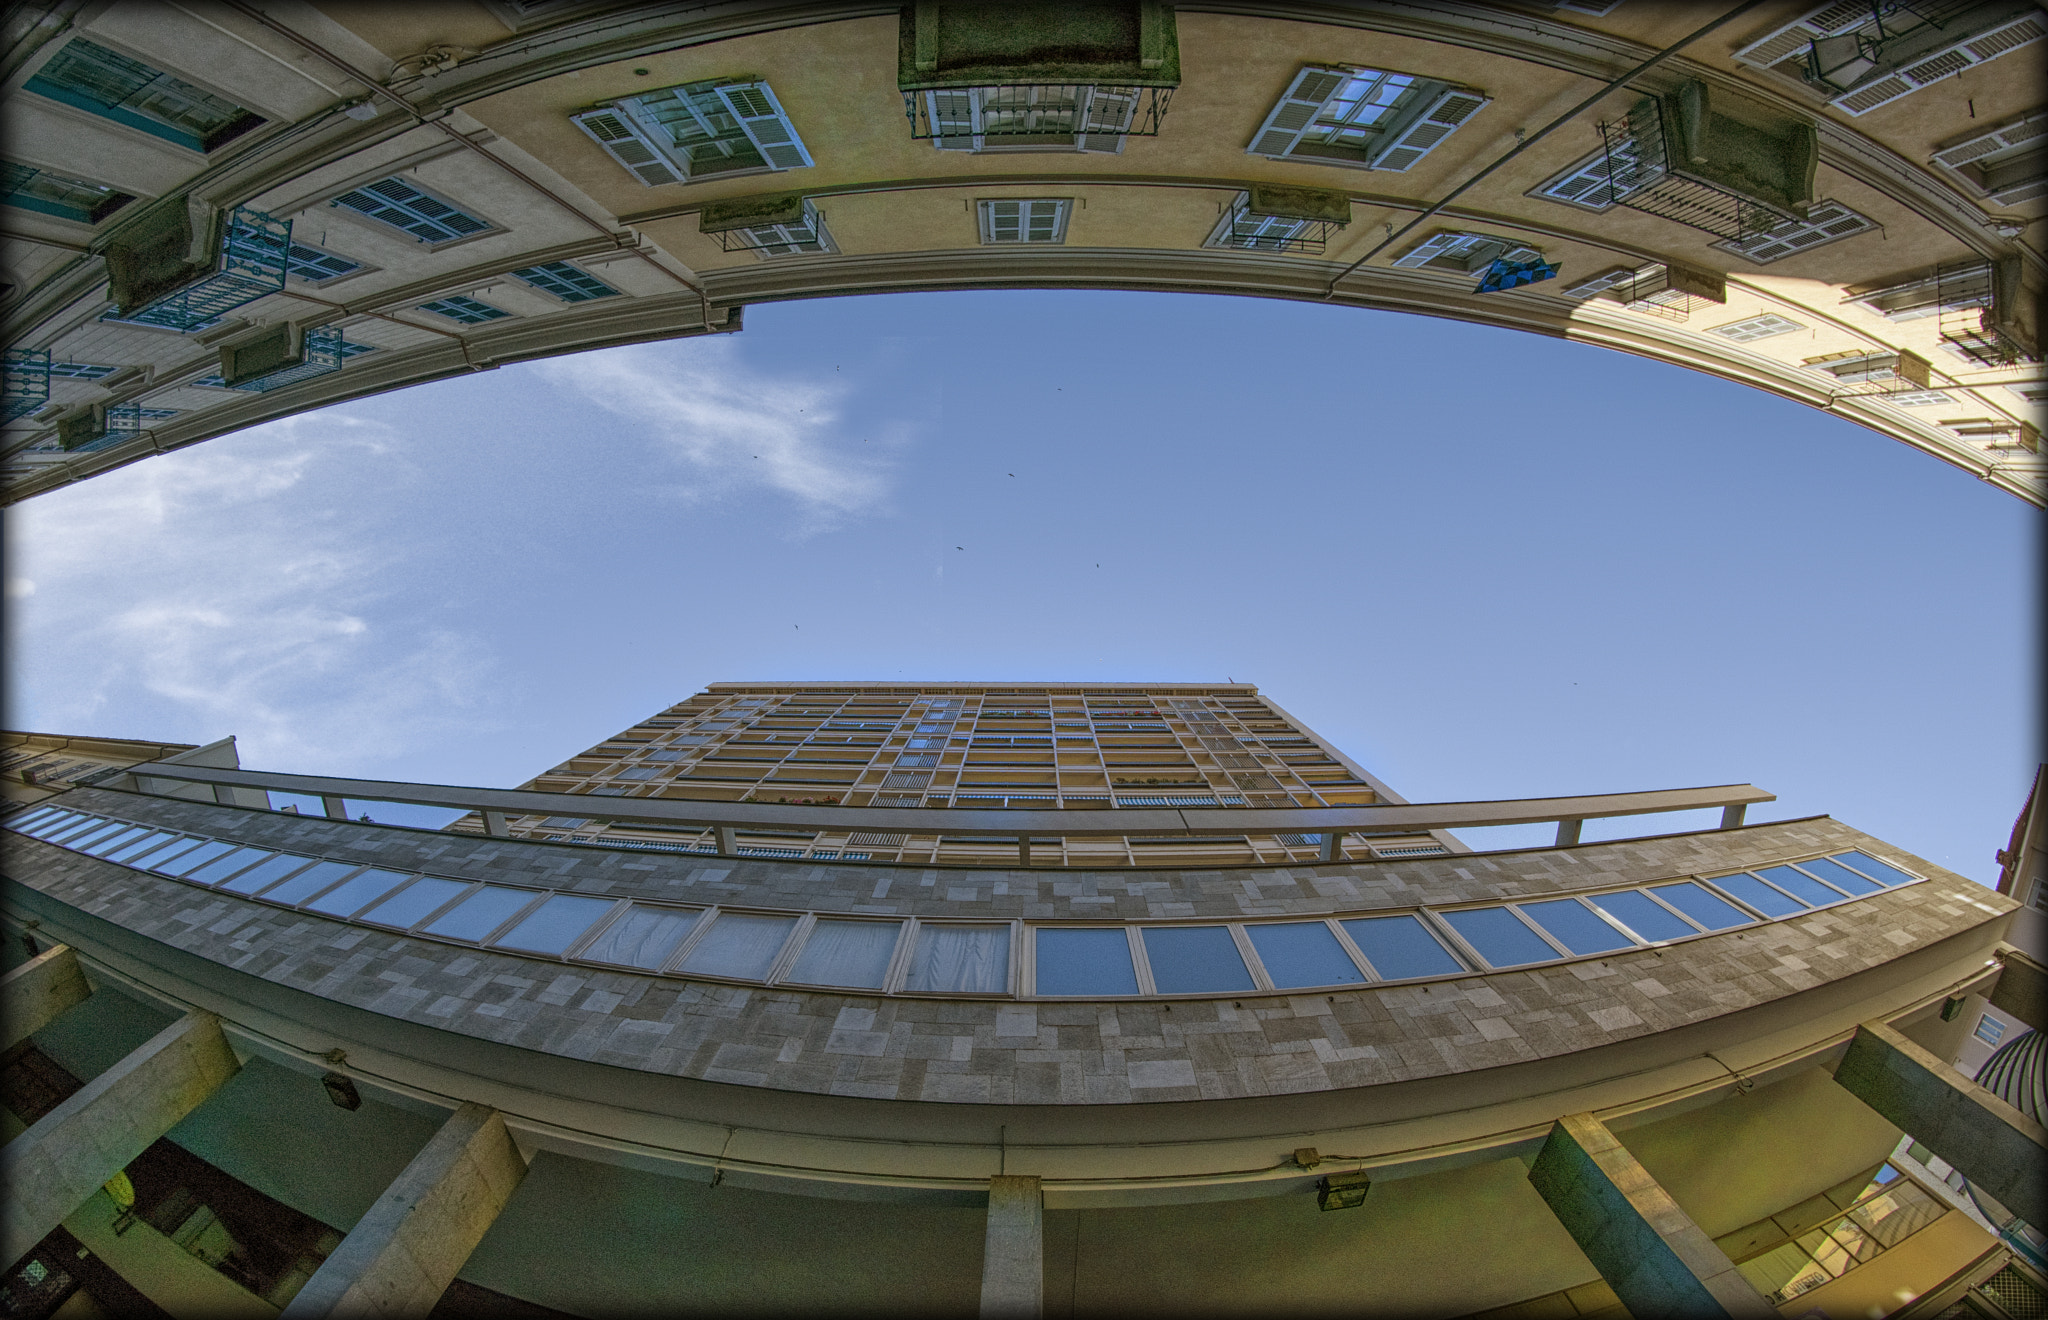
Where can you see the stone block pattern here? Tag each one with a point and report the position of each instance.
(1044, 1052)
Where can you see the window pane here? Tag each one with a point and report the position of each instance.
(1800, 885)
(962, 959)
(1641, 914)
(106, 843)
(1573, 925)
(411, 905)
(216, 871)
(849, 953)
(94, 829)
(49, 826)
(1840, 876)
(481, 913)
(1399, 947)
(1191, 959)
(1708, 909)
(22, 820)
(308, 882)
(1298, 953)
(644, 937)
(356, 891)
(740, 946)
(555, 924)
(137, 847)
(1085, 962)
(109, 844)
(1879, 871)
(157, 853)
(1758, 895)
(192, 860)
(1499, 937)
(253, 879)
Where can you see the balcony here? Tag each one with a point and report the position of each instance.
(27, 383)
(1674, 156)
(187, 266)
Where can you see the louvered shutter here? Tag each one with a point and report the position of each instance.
(1005, 221)
(762, 119)
(1042, 222)
(1932, 68)
(623, 142)
(953, 114)
(1796, 36)
(1601, 283)
(1436, 245)
(1427, 130)
(1295, 113)
(1105, 118)
(2031, 129)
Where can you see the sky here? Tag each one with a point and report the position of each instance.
(1484, 563)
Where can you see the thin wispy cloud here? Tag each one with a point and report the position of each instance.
(736, 426)
(231, 588)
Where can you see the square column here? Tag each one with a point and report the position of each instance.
(1988, 1141)
(1013, 1254)
(33, 994)
(403, 1254)
(1657, 1260)
(53, 1167)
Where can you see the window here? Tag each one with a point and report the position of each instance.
(1590, 184)
(1365, 118)
(1950, 288)
(1755, 328)
(1916, 398)
(1268, 219)
(412, 210)
(314, 265)
(802, 234)
(1864, 55)
(1989, 1030)
(2004, 164)
(566, 282)
(81, 370)
(30, 188)
(1035, 117)
(1825, 223)
(114, 86)
(1464, 253)
(696, 131)
(1034, 220)
(466, 310)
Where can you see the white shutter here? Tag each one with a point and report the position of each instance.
(1937, 65)
(2031, 129)
(1295, 112)
(1436, 245)
(1588, 183)
(1826, 21)
(626, 144)
(762, 120)
(1044, 221)
(1105, 117)
(1601, 283)
(954, 114)
(1004, 222)
(1427, 130)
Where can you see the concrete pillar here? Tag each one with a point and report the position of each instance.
(33, 994)
(1650, 1252)
(53, 1167)
(2022, 990)
(403, 1254)
(1013, 1254)
(1568, 832)
(1333, 846)
(1989, 1142)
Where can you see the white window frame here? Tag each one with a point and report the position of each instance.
(1427, 112)
(1061, 211)
(1830, 218)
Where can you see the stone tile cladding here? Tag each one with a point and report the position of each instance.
(999, 1051)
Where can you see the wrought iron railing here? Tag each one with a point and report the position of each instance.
(1089, 116)
(27, 382)
(1643, 177)
(254, 251)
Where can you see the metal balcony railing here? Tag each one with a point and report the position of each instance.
(27, 382)
(726, 819)
(254, 248)
(1092, 117)
(1643, 176)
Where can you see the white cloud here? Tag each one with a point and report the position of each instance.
(230, 588)
(735, 426)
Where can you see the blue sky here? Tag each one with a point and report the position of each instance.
(1486, 564)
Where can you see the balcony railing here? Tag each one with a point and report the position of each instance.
(251, 263)
(27, 382)
(725, 819)
(1644, 177)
